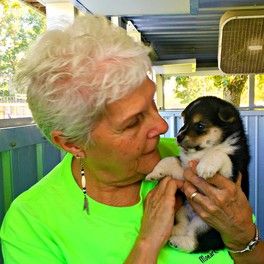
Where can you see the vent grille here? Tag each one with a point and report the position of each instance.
(241, 44)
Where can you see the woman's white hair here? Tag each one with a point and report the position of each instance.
(71, 74)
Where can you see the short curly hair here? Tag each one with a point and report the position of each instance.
(71, 74)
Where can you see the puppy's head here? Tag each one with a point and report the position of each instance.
(208, 121)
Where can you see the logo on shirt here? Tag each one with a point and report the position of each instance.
(203, 258)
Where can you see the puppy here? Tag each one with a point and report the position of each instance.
(213, 134)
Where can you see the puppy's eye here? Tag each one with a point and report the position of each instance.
(199, 127)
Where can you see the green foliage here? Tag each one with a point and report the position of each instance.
(232, 82)
(184, 89)
(19, 26)
(188, 88)
(4, 93)
(230, 87)
(259, 91)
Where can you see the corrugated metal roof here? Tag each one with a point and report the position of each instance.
(194, 35)
(185, 35)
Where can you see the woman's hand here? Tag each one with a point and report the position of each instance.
(223, 205)
(157, 222)
(159, 213)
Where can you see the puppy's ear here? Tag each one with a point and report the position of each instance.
(226, 114)
(190, 106)
(183, 113)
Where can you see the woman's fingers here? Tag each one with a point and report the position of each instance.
(200, 184)
(239, 180)
(219, 201)
(159, 212)
(167, 186)
(161, 187)
(199, 201)
(218, 188)
(210, 197)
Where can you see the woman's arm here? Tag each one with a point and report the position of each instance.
(157, 222)
(256, 256)
(224, 206)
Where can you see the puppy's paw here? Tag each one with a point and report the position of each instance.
(185, 243)
(227, 172)
(169, 166)
(227, 168)
(155, 176)
(178, 230)
(206, 169)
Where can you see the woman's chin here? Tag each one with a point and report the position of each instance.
(148, 162)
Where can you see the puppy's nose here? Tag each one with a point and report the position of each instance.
(180, 137)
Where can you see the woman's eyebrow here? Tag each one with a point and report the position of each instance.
(129, 117)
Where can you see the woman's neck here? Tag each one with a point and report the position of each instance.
(115, 196)
(109, 194)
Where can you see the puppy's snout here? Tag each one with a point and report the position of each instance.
(180, 137)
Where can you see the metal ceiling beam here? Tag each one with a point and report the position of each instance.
(135, 7)
(147, 33)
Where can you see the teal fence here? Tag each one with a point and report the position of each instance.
(25, 156)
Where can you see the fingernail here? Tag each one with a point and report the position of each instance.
(191, 164)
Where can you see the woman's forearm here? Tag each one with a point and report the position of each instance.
(157, 222)
(142, 253)
(255, 256)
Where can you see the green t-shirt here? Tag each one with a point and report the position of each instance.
(46, 224)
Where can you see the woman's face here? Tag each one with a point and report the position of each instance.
(126, 138)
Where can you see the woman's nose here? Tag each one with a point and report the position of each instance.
(163, 125)
(160, 126)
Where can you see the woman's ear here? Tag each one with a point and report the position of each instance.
(58, 138)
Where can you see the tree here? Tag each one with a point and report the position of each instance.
(189, 88)
(229, 87)
(19, 26)
(186, 95)
(233, 86)
(259, 91)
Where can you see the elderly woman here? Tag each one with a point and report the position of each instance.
(90, 94)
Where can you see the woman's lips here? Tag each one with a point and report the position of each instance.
(150, 152)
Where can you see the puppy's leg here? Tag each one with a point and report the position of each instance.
(213, 162)
(179, 236)
(169, 166)
(188, 242)
(227, 167)
(182, 222)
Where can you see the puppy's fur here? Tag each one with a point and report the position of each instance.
(213, 134)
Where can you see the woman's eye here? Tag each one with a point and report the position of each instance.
(133, 123)
(136, 121)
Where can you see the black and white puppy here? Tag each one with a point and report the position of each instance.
(213, 134)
